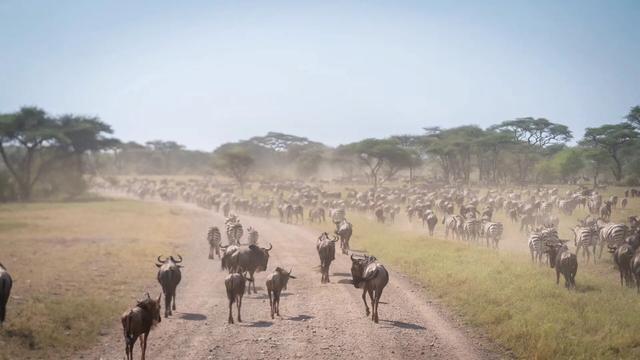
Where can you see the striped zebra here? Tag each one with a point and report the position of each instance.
(471, 229)
(214, 239)
(452, 224)
(492, 232)
(252, 236)
(611, 234)
(585, 237)
(234, 230)
(538, 240)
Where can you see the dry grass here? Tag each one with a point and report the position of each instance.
(77, 266)
(516, 302)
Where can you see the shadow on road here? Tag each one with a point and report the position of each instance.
(404, 325)
(192, 317)
(266, 296)
(300, 318)
(258, 324)
(345, 281)
(341, 274)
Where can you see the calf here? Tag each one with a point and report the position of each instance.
(372, 277)
(139, 321)
(235, 284)
(276, 281)
(327, 251)
(564, 262)
(169, 277)
(5, 291)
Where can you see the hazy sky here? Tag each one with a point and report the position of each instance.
(206, 72)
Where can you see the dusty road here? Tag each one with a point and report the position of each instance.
(318, 321)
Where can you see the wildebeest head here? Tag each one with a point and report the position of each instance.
(152, 307)
(358, 266)
(264, 260)
(170, 260)
(552, 250)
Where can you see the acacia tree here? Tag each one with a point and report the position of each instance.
(235, 162)
(382, 159)
(612, 139)
(536, 132)
(634, 116)
(32, 143)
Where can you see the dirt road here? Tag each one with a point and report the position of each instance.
(318, 321)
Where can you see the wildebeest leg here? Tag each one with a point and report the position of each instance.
(239, 300)
(364, 298)
(378, 296)
(373, 304)
(143, 344)
(276, 298)
(270, 303)
(174, 299)
(230, 311)
(557, 277)
(167, 303)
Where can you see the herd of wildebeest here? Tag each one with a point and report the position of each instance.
(534, 210)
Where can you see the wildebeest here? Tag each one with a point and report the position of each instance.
(635, 269)
(235, 284)
(251, 259)
(5, 291)
(214, 238)
(564, 262)
(169, 277)
(138, 322)
(372, 277)
(430, 219)
(276, 281)
(344, 230)
(327, 251)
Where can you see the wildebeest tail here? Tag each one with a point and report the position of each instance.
(3, 294)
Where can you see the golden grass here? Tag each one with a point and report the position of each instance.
(77, 267)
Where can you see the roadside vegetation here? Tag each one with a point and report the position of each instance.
(517, 303)
(75, 265)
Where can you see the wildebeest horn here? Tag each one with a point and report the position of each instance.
(179, 261)
(270, 247)
(352, 258)
(160, 260)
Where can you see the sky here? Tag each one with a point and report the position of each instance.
(207, 72)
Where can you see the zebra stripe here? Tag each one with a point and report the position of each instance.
(252, 236)
(214, 238)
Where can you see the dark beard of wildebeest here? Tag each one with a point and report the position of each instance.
(235, 284)
(5, 291)
(276, 281)
(327, 251)
(564, 262)
(250, 258)
(169, 277)
(372, 277)
(138, 322)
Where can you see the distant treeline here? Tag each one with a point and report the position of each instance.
(50, 155)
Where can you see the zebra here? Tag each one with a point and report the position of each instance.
(538, 240)
(492, 232)
(471, 229)
(585, 237)
(611, 234)
(234, 229)
(252, 236)
(452, 224)
(214, 238)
